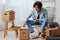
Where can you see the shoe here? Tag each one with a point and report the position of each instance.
(43, 35)
(33, 35)
(39, 34)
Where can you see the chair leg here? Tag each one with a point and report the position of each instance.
(5, 33)
(12, 23)
(5, 29)
(16, 33)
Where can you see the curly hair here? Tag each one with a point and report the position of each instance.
(38, 3)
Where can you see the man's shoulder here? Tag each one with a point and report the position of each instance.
(44, 9)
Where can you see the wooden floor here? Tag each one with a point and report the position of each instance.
(11, 36)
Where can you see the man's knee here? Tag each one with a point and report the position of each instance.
(28, 21)
(45, 21)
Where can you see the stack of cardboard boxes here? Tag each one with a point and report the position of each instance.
(8, 16)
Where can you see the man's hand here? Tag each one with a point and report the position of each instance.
(24, 24)
(36, 20)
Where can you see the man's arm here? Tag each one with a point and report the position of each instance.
(45, 15)
(28, 16)
(27, 19)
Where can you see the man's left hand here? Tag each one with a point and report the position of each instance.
(37, 20)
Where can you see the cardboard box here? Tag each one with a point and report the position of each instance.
(24, 34)
(57, 32)
(8, 15)
(54, 32)
(51, 31)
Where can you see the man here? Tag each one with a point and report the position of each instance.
(39, 16)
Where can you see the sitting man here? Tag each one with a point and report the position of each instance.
(39, 16)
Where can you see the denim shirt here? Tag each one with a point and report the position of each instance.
(43, 14)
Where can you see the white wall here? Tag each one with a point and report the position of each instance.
(58, 11)
(1, 22)
(22, 8)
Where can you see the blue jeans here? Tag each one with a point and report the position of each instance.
(31, 22)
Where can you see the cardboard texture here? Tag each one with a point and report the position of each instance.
(50, 31)
(8, 15)
(24, 34)
(54, 32)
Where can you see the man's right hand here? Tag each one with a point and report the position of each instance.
(36, 20)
